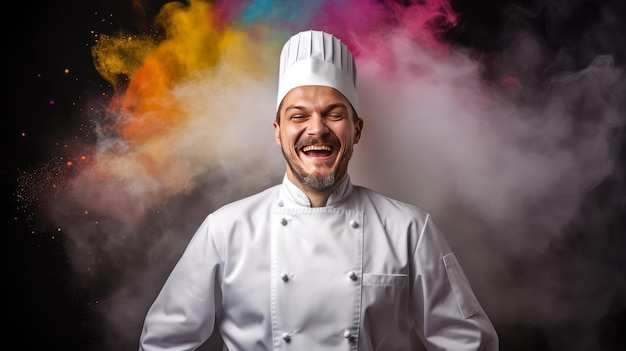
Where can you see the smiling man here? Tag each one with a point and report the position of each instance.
(317, 128)
(317, 263)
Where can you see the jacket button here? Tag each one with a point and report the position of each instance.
(284, 277)
(347, 334)
(283, 221)
(352, 276)
(287, 337)
(281, 203)
(354, 223)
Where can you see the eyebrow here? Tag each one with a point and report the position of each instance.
(335, 105)
(295, 107)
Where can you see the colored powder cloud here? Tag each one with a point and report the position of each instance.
(151, 150)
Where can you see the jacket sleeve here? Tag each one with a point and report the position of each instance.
(183, 315)
(449, 317)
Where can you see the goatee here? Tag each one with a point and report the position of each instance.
(322, 183)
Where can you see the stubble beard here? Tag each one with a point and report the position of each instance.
(316, 181)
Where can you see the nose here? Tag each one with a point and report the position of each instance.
(317, 125)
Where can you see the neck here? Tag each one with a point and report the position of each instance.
(317, 199)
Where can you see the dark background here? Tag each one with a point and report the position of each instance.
(49, 309)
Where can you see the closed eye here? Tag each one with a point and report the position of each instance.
(334, 116)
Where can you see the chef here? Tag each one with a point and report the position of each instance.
(318, 263)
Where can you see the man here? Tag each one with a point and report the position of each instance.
(318, 263)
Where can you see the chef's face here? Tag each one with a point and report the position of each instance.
(316, 129)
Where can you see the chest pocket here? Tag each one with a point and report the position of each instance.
(385, 291)
(385, 310)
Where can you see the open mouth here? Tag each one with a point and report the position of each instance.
(317, 150)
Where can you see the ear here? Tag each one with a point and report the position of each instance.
(276, 132)
(358, 128)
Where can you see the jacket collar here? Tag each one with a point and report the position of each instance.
(292, 195)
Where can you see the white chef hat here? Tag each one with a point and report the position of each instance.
(317, 58)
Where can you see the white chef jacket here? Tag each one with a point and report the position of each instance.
(363, 273)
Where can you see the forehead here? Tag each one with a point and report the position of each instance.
(311, 95)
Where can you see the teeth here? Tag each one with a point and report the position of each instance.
(316, 148)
